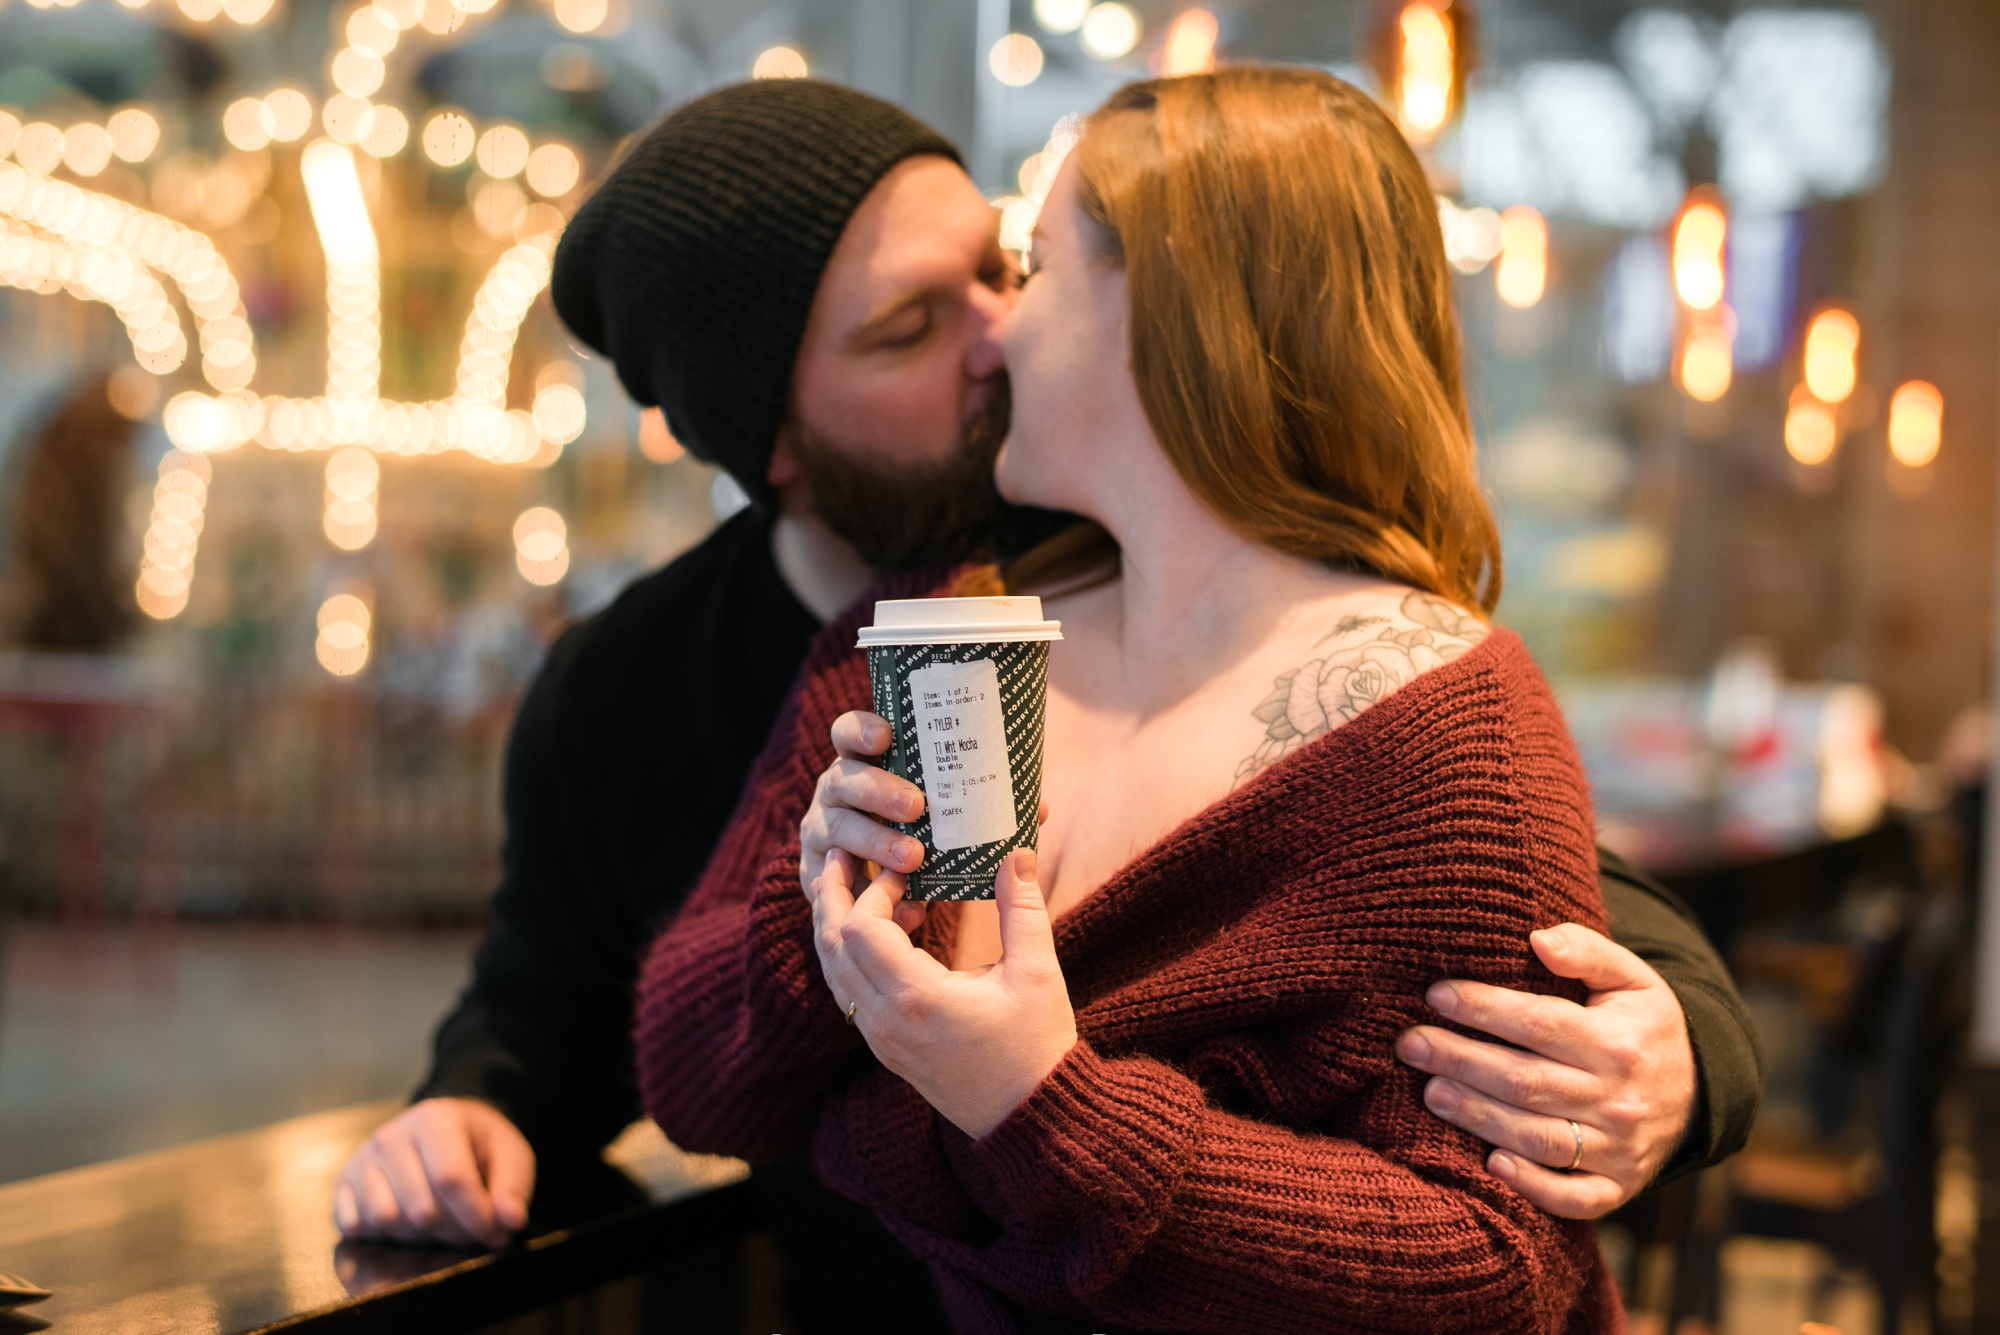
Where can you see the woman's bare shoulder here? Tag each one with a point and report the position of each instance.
(1369, 651)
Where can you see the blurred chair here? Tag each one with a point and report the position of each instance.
(1853, 955)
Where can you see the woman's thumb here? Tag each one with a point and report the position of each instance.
(1024, 917)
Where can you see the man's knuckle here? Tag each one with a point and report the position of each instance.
(1525, 1087)
(909, 1007)
(1473, 1114)
(1544, 1028)
(1447, 1056)
(1624, 1051)
(1626, 1114)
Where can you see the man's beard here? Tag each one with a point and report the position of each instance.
(910, 516)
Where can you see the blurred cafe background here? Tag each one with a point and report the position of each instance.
(299, 475)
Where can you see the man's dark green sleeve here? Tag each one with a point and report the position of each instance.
(1651, 921)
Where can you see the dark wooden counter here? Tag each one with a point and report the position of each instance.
(235, 1234)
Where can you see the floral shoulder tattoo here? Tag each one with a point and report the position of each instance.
(1365, 658)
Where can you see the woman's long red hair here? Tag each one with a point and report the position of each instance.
(1293, 334)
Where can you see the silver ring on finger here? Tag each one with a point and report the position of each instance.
(1576, 1160)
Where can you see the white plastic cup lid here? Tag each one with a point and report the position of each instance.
(958, 621)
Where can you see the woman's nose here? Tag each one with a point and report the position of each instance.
(984, 355)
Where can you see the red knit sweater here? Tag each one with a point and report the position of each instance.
(1231, 1145)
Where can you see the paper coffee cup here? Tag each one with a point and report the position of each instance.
(964, 685)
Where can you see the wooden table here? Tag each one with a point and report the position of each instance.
(235, 1234)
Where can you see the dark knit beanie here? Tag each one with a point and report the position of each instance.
(693, 266)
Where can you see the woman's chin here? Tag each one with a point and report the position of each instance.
(1015, 478)
(1004, 480)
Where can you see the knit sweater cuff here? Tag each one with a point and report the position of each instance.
(1110, 1136)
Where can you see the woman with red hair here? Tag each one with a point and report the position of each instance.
(1293, 775)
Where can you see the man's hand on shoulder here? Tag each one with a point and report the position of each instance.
(443, 1170)
(1619, 1067)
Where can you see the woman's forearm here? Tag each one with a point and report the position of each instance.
(737, 1039)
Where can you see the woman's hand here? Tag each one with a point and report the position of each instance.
(976, 1043)
(849, 803)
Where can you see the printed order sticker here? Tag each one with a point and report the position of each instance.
(962, 743)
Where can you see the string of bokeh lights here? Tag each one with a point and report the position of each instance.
(62, 237)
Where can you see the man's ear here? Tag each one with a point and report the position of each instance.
(784, 465)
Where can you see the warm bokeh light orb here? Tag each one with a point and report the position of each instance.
(1015, 60)
(1061, 16)
(344, 623)
(347, 118)
(1190, 45)
(1110, 30)
(290, 114)
(541, 545)
(1811, 433)
(135, 133)
(1707, 362)
(1699, 239)
(448, 138)
(87, 149)
(498, 207)
(779, 62)
(553, 170)
(39, 147)
(246, 124)
(559, 413)
(389, 133)
(345, 609)
(372, 30)
(581, 16)
(502, 151)
(1423, 94)
(1833, 342)
(1523, 272)
(1916, 423)
(352, 474)
(357, 72)
(349, 525)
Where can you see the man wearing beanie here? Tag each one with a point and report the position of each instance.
(808, 286)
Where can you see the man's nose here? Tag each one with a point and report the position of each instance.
(984, 355)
